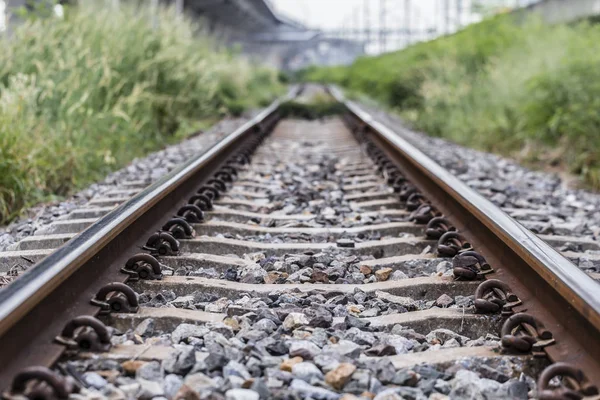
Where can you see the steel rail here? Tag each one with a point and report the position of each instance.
(552, 289)
(35, 308)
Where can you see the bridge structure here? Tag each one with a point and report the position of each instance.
(261, 33)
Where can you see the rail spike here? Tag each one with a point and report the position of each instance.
(41, 383)
(116, 297)
(209, 191)
(493, 295)
(451, 244)
(143, 266)
(437, 226)
(523, 333)
(85, 333)
(202, 201)
(163, 244)
(423, 214)
(179, 228)
(582, 387)
(191, 213)
(414, 201)
(470, 265)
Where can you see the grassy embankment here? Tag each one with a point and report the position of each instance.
(530, 91)
(84, 95)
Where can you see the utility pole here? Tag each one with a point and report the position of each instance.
(382, 27)
(407, 23)
(446, 17)
(356, 24)
(459, 11)
(367, 20)
(438, 17)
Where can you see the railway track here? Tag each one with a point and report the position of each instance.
(299, 258)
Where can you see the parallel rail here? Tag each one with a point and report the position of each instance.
(541, 277)
(35, 308)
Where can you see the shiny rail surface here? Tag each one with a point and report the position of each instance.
(217, 211)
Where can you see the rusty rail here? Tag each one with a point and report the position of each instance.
(550, 287)
(38, 305)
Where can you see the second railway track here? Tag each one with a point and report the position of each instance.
(301, 259)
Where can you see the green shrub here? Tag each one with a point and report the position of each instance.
(83, 95)
(525, 89)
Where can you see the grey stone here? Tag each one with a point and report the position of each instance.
(307, 372)
(218, 306)
(468, 385)
(356, 322)
(441, 386)
(260, 387)
(151, 371)
(113, 393)
(266, 325)
(94, 380)
(149, 389)
(303, 348)
(295, 320)
(241, 394)
(360, 337)
(145, 328)
(252, 335)
(181, 361)
(215, 361)
(444, 301)
(400, 343)
(308, 391)
(442, 335)
(450, 343)
(234, 368)
(371, 312)
(199, 382)
(326, 362)
(388, 394)
(183, 302)
(517, 389)
(345, 348)
(130, 389)
(360, 381)
(185, 331)
(397, 276)
(172, 383)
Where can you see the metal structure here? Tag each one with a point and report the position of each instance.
(253, 26)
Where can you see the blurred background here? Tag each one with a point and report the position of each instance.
(87, 85)
(299, 33)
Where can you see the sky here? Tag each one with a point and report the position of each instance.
(339, 15)
(428, 18)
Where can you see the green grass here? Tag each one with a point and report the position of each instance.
(84, 95)
(529, 90)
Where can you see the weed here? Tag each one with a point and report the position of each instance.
(83, 95)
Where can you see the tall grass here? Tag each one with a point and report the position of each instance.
(527, 90)
(83, 95)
